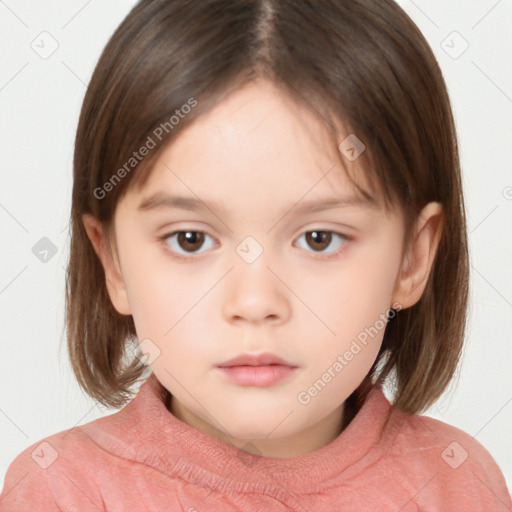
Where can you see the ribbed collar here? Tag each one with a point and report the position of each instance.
(146, 432)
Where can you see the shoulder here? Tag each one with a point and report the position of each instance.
(51, 474)
(452, 446)
(452, 465)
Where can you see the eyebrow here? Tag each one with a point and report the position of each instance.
(160, 200)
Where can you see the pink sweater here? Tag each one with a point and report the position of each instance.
(142, 459)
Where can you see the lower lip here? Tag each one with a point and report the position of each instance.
(259, 376)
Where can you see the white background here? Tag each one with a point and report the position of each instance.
(40, 101)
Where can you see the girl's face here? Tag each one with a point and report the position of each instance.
(271, 274)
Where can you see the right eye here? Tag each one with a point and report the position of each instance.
(185, 242)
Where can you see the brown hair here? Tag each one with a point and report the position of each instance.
(363, 62)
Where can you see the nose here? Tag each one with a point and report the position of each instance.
(254, 294)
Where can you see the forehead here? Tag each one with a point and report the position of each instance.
(257, 143)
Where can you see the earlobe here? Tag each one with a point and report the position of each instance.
(113, 277)
(417, 263)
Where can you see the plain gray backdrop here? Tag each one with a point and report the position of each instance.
(48, 51)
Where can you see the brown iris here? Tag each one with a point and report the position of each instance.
(190, 240)
(319, 237)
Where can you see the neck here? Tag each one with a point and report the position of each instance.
(311, 439)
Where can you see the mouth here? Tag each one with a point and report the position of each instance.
(258, 370)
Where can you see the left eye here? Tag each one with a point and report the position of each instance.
(188, 241)
(321, 240)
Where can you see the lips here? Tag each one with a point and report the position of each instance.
(257, 370)
(264, 359)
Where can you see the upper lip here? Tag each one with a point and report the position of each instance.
(255, 360)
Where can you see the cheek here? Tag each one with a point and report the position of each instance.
(157, 297)
(353, 298)
(358, 292)
(170, 305)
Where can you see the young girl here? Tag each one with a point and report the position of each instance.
(267, 202)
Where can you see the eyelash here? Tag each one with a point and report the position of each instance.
(192, 256)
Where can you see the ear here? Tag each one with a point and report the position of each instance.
(113, 276)
(417, 262)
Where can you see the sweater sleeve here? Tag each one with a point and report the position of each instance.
(26, 488)
(447, 469)
(50, 476)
